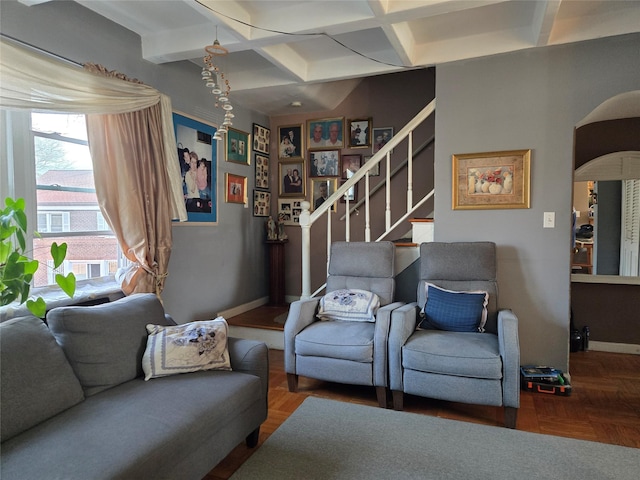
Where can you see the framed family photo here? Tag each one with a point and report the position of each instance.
(352, 193)
(325, 133)
(237, 147)
(289, 210)
(324, 163)
(197, 157)
(236, 188)
(290, 142)
(381, 135)
(261, 139)
(292, 179)
(321, 189)
(262, 171)
(491, 180)
(261, 203)
(375, 171)
(350, 165)
(359, 133)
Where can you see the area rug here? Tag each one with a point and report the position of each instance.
(327, 439)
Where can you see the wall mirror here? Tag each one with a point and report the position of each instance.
(607, 193)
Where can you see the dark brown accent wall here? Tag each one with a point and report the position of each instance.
(600, 138)
(612, 312)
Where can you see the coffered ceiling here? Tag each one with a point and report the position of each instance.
(314, 51)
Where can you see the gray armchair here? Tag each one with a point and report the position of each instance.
(345, 351)
(467, 367)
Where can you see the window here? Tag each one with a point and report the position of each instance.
(59, 180)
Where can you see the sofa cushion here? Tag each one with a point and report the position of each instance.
(349, 305)
(105, 343)
(454, 311)
(141, 430)
(460, 354)
(37, 380)
(190, 347)
(344, 340)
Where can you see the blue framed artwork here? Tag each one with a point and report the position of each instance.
(197, 157)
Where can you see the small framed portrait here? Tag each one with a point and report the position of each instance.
(237, 147)
(262, 171)
(375, 171)
(352, 193)
(381, 135)
(290, 142)
(321, 189)
(292, 179)
(350, 165)
(261, 203)
(359, 133)
(236, 188)
(324, 163)
(261, 137)
(289, 210)
(325, 133)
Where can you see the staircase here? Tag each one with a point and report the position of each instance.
(379, 227)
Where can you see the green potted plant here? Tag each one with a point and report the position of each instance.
(17, 269)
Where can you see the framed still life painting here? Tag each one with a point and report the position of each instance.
(492, 180)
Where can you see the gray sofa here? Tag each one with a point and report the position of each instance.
(74, 403)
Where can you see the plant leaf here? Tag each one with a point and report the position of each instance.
(30, 267)
(58, 252)
(38, 307)
(67, 284)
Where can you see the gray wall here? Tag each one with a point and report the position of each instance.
(527, 100)
(212, 268)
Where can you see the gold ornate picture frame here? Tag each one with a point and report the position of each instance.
(491, 180)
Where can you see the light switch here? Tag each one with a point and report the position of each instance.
(549, 220)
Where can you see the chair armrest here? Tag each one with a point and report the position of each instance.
(381, 344)
(302, 313)
(252, 357)
(403, 324)
(509, 345)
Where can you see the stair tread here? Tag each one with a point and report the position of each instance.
(419, 220)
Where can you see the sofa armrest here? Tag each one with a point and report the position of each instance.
(381, 342)
(403, 324)
(302, 313)
(509, 345)
(252, 357)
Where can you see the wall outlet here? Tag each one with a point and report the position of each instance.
(549, 220)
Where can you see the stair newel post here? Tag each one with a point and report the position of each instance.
(387, 212)
(367, 218)
(305, 225)
(410, 171)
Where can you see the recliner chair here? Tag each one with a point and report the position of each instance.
(469, 366)
(351, 352)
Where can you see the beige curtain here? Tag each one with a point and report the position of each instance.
(124, 148)
(132, 143)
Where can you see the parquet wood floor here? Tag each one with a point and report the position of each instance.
(604, 405)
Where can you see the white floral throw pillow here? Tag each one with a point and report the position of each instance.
(190, 347)
(351, 305)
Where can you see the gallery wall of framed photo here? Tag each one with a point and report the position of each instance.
(315, 157)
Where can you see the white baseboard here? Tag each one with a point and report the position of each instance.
(614, 347)
(232, 312)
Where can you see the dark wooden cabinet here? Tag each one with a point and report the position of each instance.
(276, 272)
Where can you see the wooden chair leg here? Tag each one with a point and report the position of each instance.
(381, 393)
(292, 382)
(510, 417)
(252, 438)
(398, 400)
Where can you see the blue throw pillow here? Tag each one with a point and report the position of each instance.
(454, 311)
